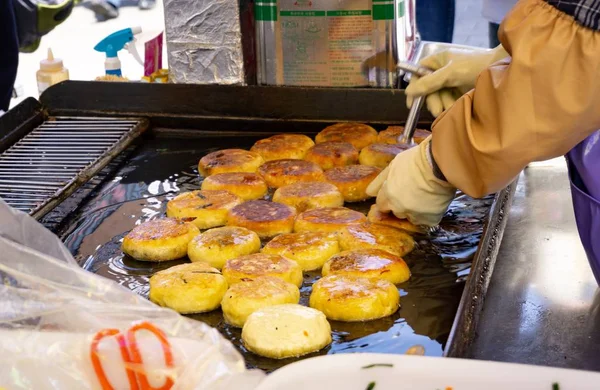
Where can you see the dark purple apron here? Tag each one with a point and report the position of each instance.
(584, 174)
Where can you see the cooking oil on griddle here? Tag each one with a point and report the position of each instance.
(161, 168)
(324, 42)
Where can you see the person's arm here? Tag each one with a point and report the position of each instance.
(536, 106)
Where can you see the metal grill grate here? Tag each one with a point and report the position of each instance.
(52, 161)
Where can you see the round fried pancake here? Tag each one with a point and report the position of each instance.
(285, 331)
(262, 264)
(229, 160)
(309, 195)
(391, 134)
(278, 173)
(380, 155)
(267, 219)
(311, 249)
(351, 298)
(209, 208)
(248, 186)
(352, 180)
(216, 246)
(389, 219)
(188, 288)
(328, 220)
(332, 154)
(283, 146)
(162, 239)
(244, 298)
(358, 134)
(375, 236)
(368, 263)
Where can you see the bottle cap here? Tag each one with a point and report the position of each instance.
(51, 64)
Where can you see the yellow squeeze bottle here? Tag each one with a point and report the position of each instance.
(51, 72)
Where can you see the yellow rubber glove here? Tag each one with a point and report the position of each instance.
(409, 189)
(456, 71)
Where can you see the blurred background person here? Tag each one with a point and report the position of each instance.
(9, 47)
(435, 19)
(494, 11)
(109, 9)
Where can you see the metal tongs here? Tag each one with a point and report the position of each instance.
(413, 115)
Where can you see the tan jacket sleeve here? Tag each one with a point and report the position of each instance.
(534, 107)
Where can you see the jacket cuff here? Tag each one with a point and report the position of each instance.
(437, 172)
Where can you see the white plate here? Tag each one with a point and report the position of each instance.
(347, 372)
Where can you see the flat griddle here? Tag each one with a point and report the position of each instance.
(187, 122)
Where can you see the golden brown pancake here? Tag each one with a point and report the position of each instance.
(216, 246)
(229, 160)
(332, 154)
(376, 216)
(188, 288)
(310, 249)
(267, 219)
(352, 181)
(309, 195)
(262, 264)
(351, 298)
(207, 208)
(160, 240)
(283, 146)
(380, 155)
(328, 220)
(358, 134)
(278, 173)
(244, 298)
(375, 236)
(391, 134)
(248, 186)
(368, 263)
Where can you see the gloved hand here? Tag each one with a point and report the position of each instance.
(409, 189)
(455, 74)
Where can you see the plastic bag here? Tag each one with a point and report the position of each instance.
(51, 311)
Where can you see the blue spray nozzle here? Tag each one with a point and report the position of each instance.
(115, 42)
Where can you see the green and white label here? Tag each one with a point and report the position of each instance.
(383, 10)
(265, 10)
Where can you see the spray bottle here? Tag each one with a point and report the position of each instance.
(112, 44)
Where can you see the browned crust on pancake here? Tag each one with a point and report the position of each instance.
(372, 235)
(389, 219)
(227, 160)
(225, 236)
(283, 146)
(332, 215)
(307, 189)
(158, 229)
(259, 264)
(391, 134)
(278, 173)
(352, 174)
(206, 199)
(363, 260)
(262, 210)
(343, 287)
(266, 218)
(236, 178)
(332, 154)
(358, 134)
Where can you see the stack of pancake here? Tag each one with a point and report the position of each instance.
(262, 218)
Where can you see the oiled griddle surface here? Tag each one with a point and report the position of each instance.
(161, 167)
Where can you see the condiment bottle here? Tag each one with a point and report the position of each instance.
(51, 72)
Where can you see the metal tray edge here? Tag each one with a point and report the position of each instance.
(465, 325)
